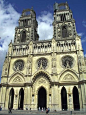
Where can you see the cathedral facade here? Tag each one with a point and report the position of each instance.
(44, 73)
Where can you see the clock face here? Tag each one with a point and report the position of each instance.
(19, 65)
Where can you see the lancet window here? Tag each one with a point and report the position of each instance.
(23, 36)
(64, 32)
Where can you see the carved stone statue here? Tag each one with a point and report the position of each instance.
(32, 99)
(49, 98)
(29, 65)
(5, 67)
(53, 63)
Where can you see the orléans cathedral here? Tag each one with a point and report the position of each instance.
(45, 73)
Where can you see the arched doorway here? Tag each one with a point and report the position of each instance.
(21, 98)
(42, 98)
(64, 98)
(11, 98)
(76, 99)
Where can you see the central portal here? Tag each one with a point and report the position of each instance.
(42, 98)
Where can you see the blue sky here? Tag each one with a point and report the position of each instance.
(10, 11)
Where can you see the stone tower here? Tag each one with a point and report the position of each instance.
(64, 24)
(27, 29)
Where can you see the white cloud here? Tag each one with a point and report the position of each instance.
(84, 55)
(83, 37)
(81, 34)
(84, 23)
(8, 21)
(45, 28)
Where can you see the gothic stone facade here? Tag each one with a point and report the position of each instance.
(44, 73)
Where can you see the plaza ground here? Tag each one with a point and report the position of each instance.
(28, 112)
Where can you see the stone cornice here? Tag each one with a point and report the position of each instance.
(52, 84)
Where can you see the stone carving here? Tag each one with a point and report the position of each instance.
(16, 92)
(82, 68)
(5, 67)
(69, 77)
(54, 70)
(29, 65)
(16, 96)
(32, 99)
(41, 81)
(81, 63)
(67, 64)
(17, 79)
(50, 99)
(69, 92)
(16, 99)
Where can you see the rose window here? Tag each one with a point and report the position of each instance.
(19, 65)
(42, 62)
(67, 61)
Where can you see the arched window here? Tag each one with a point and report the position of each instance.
(64, 32)
(23, 36)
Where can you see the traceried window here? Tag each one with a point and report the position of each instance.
(19, 65)
(42, 62)
(63, 17)
(64, 32)
(23, 36)
(25, 22)
(67, 62)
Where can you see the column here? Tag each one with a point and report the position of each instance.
(72, 101)
(25, 98)
(59, 99)
(7, 98)
(55, 98)
(16, 99)
(80, 98)
(15, 104)
(28, 97)
(69, 101)
(3, 91)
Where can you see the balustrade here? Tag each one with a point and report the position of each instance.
(44, 48)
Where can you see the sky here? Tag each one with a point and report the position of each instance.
(10, 11)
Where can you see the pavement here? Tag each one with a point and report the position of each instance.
(28, 112)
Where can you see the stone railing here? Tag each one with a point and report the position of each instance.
(40, 48)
